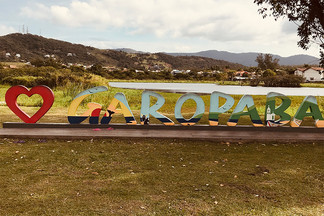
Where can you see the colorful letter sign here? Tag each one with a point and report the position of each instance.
(274, 116)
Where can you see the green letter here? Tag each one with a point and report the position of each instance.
(310, 103)
(246, 101)
(271, 110)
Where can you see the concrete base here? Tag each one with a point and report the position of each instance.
(202, 132)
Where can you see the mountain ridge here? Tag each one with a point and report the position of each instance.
(30, 47)
(248, 58)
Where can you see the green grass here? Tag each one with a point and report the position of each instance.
(156, 176)
(17, 64)
(313, 85)
(159, 177)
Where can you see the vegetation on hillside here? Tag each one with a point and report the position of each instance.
(31, 47)
(56, 63)
(55, 74)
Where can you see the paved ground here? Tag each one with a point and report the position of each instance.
(66, 131)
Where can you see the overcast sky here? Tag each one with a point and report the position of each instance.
(154, 25)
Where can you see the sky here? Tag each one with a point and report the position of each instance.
(155, 25)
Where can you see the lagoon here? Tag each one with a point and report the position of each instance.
(208, 88)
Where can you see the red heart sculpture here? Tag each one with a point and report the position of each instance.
(44, 91)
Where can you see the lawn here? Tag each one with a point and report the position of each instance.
(156, 176)
(160, 177)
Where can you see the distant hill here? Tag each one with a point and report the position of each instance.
(30, 47)
(248, 59)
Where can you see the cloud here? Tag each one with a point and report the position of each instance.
(215, 20)
(144, 46)
(289, 27)
(6, 30)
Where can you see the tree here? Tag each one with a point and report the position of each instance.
(47, 62)
(97, 68)
(307, 14)
(267, 62)
(268, 73)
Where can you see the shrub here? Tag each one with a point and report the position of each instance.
(28, 81)
(283, 81)
(255, 82)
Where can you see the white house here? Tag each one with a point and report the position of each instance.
(313, 74)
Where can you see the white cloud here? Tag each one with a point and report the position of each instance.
(6, 30)
(37, 11)
(216, 20)
(168, 25)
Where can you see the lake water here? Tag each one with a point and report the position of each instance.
(208, 88)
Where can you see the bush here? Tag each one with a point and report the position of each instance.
(283, 81)
(255, 82)
(48, 76)
(46, 62)
(28, 81)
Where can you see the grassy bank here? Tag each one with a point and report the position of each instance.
(225, 82)
(159, 177)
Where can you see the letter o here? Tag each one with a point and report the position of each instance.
(200, 109)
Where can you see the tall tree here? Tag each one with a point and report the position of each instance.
(307, 14)
(267, 62)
